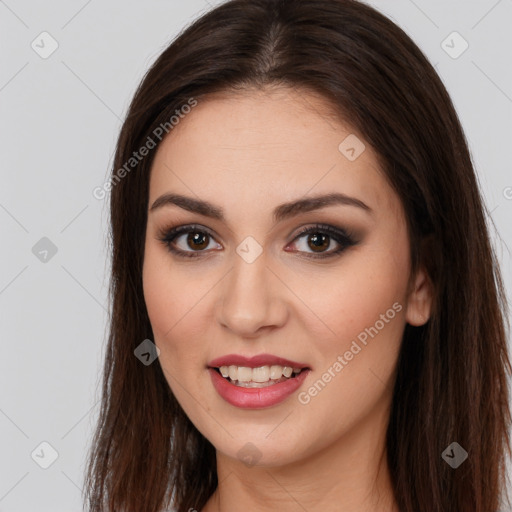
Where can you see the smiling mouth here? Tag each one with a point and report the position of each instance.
(260, 377)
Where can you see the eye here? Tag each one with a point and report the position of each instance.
(198, 239)
(319, 238)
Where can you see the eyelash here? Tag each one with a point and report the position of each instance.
(344, 238)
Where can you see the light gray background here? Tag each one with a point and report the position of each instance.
(60, 117)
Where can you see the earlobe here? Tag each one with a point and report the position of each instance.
(419, 303)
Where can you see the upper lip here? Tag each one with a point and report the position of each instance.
(254, 361)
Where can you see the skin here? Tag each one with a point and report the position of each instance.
(248, 153)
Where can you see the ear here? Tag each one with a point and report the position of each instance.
(419, 302)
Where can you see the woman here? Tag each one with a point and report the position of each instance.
(307, 313)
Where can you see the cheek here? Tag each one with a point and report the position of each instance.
(353, 299)
(365, 313)
(363, 297)
(175, 303)
(164, 297)
(159, 296)
(176, 313)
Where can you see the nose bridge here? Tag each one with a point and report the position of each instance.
(250, 294)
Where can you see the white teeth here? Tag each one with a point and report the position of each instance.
(244, 374)
(261, 374)
(233, 372)
(276, 372)
(287, 371)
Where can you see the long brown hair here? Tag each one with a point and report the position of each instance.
(451, 383)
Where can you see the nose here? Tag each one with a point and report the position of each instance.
(253, 299)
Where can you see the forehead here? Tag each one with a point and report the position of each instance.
(263, 148)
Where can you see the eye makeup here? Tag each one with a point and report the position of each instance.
(201, 235)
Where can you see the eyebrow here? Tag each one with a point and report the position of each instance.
(281, 212)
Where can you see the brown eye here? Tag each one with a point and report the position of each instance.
(318, 242)
(318, 239)
(197, 240)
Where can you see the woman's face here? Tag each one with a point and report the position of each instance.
(247, 282)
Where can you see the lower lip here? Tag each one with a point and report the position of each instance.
(256, 398)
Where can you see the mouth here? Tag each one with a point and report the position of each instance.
(256, 382)
(259, 377)
(243, 392)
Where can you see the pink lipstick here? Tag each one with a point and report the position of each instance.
(256, 382)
